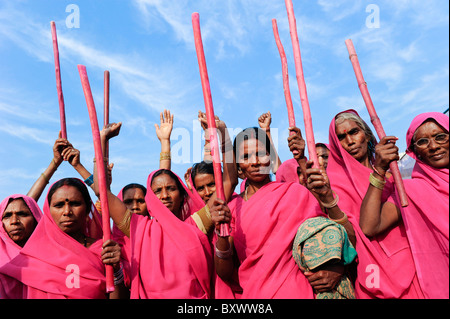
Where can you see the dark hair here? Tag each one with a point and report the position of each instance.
(180, 187)
(201, 168)
(321, 145)
(256, 133)
(71, 182)
(133, 186)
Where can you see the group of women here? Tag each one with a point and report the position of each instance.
(337, 231)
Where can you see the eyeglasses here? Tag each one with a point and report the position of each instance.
(423, 142)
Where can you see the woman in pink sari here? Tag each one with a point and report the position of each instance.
(264, 220)
(170, 256)
(385, 266)
(20, 215)
(426, 216)
(65, 256)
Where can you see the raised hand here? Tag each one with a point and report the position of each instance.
(317, 181)
(71, 155)
(110, 130)
(385, 152)
(296, 143)
(60, 145)
(164, 130)
(264, 121)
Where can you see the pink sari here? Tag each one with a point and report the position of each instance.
(46, 265)
(426, 217)
(264, 229)
(8, 248)
(170, 258)
(385, 265)
(287, 172)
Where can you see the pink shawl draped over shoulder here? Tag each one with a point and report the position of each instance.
(264, 229)
(385, 265)
(287, 172)
(426, 217)
(170, 258)
(8, 248)
(53, 265)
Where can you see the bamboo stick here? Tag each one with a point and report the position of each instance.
(106, 107)
(302, 85)
(286, 88)
(102, 184)
(375, 119)
(62, 113)
(215, 152)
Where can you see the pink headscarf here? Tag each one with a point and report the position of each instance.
(426, 217)
(385, 266)
(43, 267)
(171, 258)
(8, 248)
(264, 229)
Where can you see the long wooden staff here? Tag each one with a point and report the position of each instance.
(302, 85)
(375, 119)
(286, 88)
(106, 77)
(215, 153)
(62, 113)
(100, 169)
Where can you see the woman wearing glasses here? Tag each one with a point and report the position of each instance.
(426, 217)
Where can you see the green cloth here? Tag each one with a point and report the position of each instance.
(318, 241)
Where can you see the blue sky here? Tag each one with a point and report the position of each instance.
(148, 47)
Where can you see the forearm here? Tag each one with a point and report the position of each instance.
(336, 214)
(277, 158)
(302, 164)
(224, 266)
(165, 161)
(230, 176)
(38, 187)
(370, 211)
(84, 173)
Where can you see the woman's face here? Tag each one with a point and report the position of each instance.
(166, 190)
(323, 152)
(18, 221)
(68, 209)
(254, 161)
(205, 185)
(353, 139)
(435, 154)
(134, 200)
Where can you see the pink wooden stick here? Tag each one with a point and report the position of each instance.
(224, 228)
(302, 85)
(287, 92)
(375, 119)
(100, 169)
(284, 66)
(62, 113)
(106, 107)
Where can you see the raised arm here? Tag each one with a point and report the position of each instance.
(230, 176)
(264, 122)
(297, 143)
(163, 132)
(376, 217)
(38, 187)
